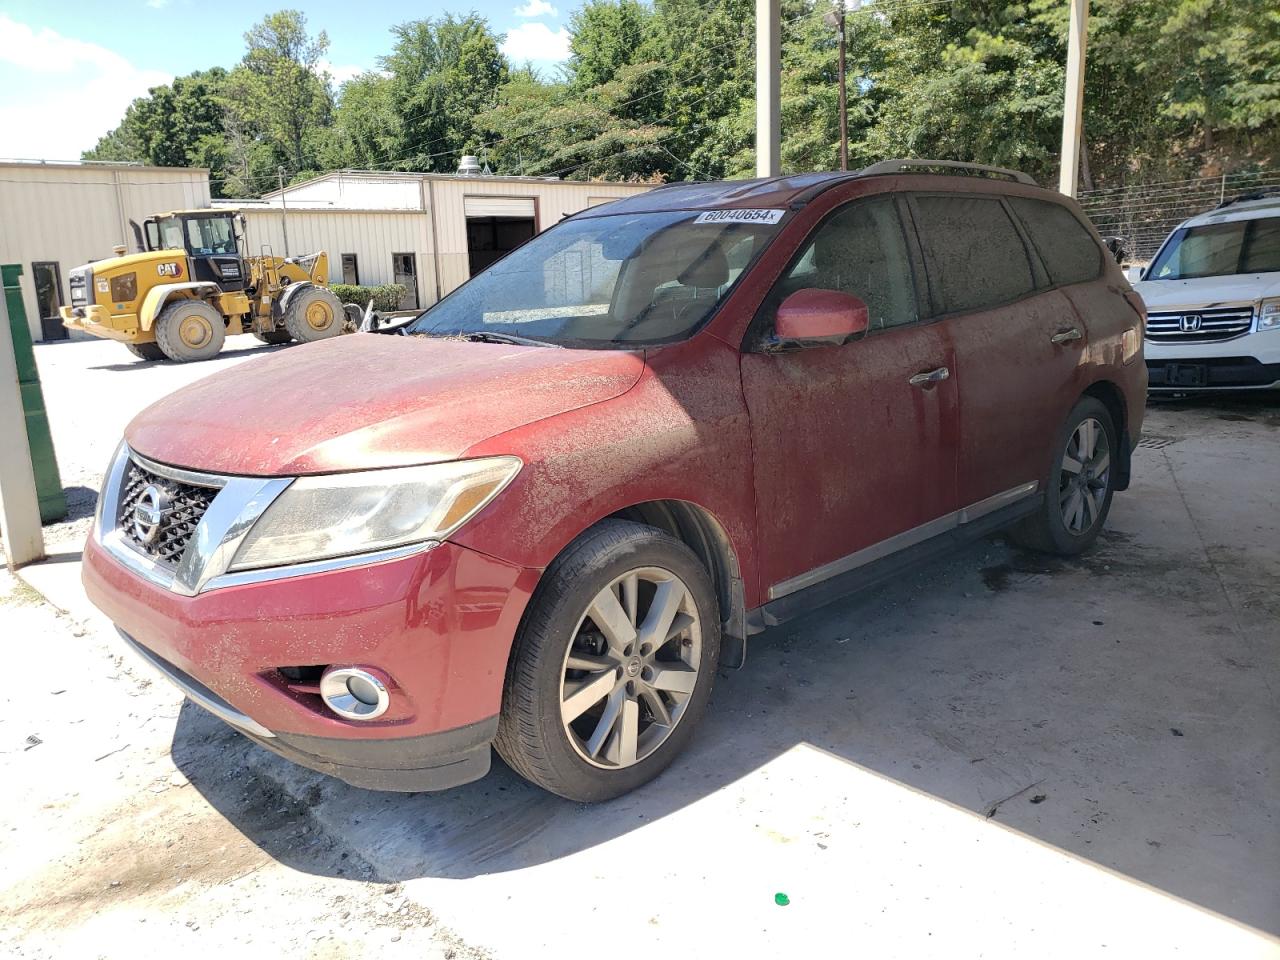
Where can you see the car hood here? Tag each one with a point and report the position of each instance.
(368, 400)
(1207, 292)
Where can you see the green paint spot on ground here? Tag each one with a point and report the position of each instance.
(781, 899)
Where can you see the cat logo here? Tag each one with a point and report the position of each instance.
(169, 269)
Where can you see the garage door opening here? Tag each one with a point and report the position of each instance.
(496, 226)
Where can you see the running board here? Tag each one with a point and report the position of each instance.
(876, 572)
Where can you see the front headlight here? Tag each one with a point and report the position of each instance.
(1269, 315)
(317, 518)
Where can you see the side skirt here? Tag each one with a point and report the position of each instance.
(879, 571)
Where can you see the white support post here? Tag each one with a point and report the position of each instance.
(19, 503)
(768, 88)
(1073, 103)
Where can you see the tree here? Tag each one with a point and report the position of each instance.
(175, 125)
(443, 73)
(280, 89)
(605, 37)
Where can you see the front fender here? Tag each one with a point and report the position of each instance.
(161, 294)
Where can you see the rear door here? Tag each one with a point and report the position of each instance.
(853, 446)
(1017, 341)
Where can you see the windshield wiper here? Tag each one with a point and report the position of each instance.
(488, 336)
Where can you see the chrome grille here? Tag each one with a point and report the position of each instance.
(1199, 326)
(183, 505)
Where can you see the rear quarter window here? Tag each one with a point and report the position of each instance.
(973, 252)
(1066, 248)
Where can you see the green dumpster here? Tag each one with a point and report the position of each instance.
(53, 502)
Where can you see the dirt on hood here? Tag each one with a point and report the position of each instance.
(368, 401)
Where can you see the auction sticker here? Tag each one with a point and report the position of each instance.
(740, 216)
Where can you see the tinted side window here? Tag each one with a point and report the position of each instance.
(973, 252)
(861, 250)
(1066, 248)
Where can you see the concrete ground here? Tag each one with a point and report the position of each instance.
(1000, 755)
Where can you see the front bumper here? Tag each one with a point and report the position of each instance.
(438, 625)
(97, 320)
(1211, 373)
(1248, 362)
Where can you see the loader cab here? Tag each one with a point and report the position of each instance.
(210, 240)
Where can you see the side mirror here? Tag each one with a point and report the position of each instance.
(813, 318)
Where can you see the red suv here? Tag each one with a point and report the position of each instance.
(539, 515)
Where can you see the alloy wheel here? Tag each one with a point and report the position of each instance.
(631, 668)
(1085, 476)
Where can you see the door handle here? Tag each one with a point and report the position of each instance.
(1066, 336)
(930, 377)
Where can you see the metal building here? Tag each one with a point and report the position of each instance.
(429, 232)
(55, 216)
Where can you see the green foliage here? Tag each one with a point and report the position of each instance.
(667, 91)
(386, 297)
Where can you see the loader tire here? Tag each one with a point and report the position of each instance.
(314, 314)
(145, 351)
(190, 330)
(274, 337)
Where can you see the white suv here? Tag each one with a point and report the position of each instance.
(1213, 300)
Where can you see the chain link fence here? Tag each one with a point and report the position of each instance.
(1144, 215)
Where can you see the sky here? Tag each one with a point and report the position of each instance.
(70, 68)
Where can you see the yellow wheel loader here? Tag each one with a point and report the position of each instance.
(194, 284)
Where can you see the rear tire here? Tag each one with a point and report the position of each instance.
(145, 351)
(1080, 485)
(613, 664)
(189, 330)
(273, 337)
(314, 314)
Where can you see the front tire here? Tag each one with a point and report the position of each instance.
(314, 314)
(189, 330)
(1080, 485)
(613, 665)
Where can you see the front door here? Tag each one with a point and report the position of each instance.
(405, 272)
(854, 446)
(48, 282)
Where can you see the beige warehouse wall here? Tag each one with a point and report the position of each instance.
(555, 199)
(372, 235)
(72, 214)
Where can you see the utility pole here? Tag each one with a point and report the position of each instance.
(284, 214)
(768, 88)
(836, 20)
(1073, 103)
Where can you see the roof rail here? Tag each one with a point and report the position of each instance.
(1245, 197)
(924, 166)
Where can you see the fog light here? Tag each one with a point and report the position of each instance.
(354, 694)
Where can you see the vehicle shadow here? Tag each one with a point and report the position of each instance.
(970, 680)
(135, 364)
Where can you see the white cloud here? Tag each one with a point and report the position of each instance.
(341, 72)
(82, 92)
(536, 8)
(536, 41)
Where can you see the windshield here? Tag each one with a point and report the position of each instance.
(205, 236)
(625, 279)
(1220, 249)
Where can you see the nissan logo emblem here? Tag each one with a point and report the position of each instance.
(149, 513)
(1190, 322)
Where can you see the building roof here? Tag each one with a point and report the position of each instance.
(79, 165)
(404, 175)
